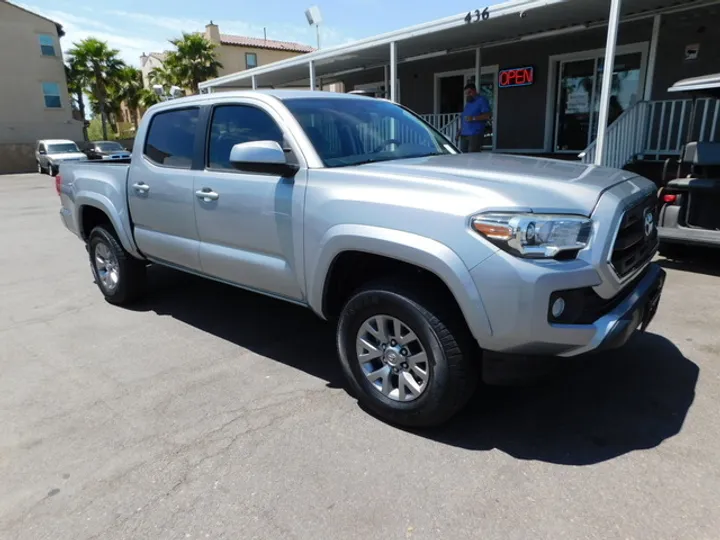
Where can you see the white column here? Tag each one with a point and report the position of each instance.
(613, 23)
(386, 80)
(254, 82)
(393, 72)
(478, 67)
(652, 57)
(312, 74)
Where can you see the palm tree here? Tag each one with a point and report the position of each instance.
(148, 98)
(164, 75)
(102, 67)
(193, 61)
(130, 85)
(76, 82)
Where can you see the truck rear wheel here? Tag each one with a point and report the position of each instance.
(119, 276)
(408, 356)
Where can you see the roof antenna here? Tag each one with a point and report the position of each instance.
(265, 34)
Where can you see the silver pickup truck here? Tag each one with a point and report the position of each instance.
(360, 211)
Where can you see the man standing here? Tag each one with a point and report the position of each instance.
(472, 122)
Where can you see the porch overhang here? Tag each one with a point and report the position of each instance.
(510, 22)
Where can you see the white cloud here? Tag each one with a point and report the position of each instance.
(77, 28)
(134, 33)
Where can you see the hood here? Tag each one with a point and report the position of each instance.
(65, 156)
(504, 181)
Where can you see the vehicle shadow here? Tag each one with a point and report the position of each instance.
(595, 408)
(589, 410)
(696, 260)
(278, 330)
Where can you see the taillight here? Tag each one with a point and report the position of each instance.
(668, 198)
(58, 183)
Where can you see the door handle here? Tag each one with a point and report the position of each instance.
(207, 195)
(141, 187)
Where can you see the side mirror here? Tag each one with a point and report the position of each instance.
(42, 152)
(261, 157)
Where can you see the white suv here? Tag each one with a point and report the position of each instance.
(50, 153)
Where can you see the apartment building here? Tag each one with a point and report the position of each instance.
(34, 100)
(235, 53)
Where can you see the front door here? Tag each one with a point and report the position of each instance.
(160, 190)
(450, 96)
(578, 96)
(250, 226)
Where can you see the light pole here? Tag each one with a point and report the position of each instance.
(314, 17)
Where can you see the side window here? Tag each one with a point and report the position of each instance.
(47, 45)
(250, 60)
(171, 137)
(51, 94)
(234, 124)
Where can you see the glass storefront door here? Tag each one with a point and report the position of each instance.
(450, 97)
(487, 89)
(578, 97)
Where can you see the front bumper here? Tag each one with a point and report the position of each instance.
(516, 296)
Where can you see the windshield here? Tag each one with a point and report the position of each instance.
(63, 148)
(109, 147)
(354, 131)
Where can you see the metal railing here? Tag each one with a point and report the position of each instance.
(625, 138)
(656, 130)
(445, 123)
(669, 121)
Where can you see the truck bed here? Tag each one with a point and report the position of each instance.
(102, 185)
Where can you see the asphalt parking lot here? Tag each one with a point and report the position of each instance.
(208, 412)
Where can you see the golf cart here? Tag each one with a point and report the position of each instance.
(689, 196)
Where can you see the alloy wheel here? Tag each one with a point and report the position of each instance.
(392, 358)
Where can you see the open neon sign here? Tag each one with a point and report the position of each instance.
(524, 76)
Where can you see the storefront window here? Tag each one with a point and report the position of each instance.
(578, 101)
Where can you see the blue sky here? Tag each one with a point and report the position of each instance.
(134, 27)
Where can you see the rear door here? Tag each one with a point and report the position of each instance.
(160, 188)
(251, 227)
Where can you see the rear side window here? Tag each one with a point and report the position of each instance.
(234, 124)
(171, 137)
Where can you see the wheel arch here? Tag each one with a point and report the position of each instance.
(406, 248)
(95, 202)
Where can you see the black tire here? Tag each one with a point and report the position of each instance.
(130, 284)
(40, 168)
(453, 354)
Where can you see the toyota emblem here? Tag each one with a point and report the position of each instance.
(649, 222)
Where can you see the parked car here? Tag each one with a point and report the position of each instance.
(690, 192)
(358, 210)
(106, 150)
(50, 153)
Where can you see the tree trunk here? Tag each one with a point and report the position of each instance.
(81, 108)
(103, 118)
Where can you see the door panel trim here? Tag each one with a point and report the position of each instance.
(166, 246)
(197, 273)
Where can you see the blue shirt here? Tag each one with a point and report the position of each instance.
(475, 108)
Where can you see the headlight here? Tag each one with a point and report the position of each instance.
(536, 236)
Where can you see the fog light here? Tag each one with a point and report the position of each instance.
(557, 308)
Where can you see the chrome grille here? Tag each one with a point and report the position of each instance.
(633, 246)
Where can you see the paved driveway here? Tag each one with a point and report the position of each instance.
(208, 412)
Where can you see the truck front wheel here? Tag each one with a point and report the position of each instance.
(407, 354)
(120, 277)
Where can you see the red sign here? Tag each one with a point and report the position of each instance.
(523, 76)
